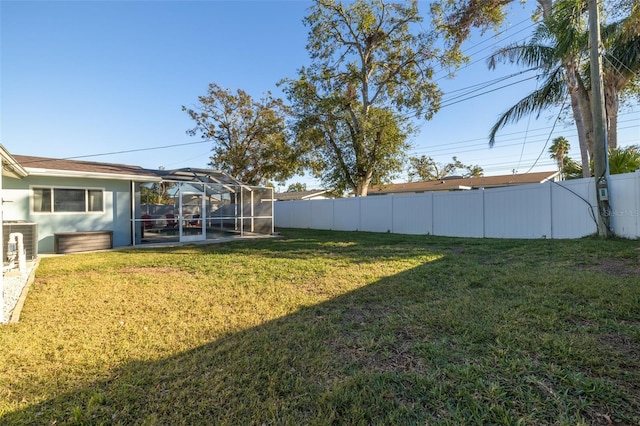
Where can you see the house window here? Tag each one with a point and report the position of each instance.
(95, 200)
(65, 200)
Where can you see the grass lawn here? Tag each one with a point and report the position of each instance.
(331, 328)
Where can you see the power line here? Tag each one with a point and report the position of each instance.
(445, 152)
(488, 91)
(572, 132)
(483, 86)
(533, 24)
(524, 140)
(128, 151)
(550, 134)
(483, 58)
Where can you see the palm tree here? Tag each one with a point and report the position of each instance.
(559, 150)
(558, 50)
(621, 67)
(559, 59)
(624, 160)
(621, 160)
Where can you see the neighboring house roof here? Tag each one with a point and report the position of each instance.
(300, 195)
(453, 184)
(41, 166)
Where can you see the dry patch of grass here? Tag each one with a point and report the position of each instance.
(328, 327)
(616, 267)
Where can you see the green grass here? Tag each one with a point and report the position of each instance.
(331, 328)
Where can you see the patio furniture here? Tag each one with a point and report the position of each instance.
(171, 220)
(146, 221)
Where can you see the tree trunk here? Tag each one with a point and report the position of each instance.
(580, 106)
(362, 186)
(582, 136)
(584, 103)
(611, 105)
(546, 6)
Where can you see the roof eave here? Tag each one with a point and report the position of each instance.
(92, 175)
(13, 168)
(552, 176)
(315, 194)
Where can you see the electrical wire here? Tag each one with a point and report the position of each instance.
(446, 147)
(128, 151)
(444, 105)
(526, 130)
(592, 213)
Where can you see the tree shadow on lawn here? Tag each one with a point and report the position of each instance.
(406, 349)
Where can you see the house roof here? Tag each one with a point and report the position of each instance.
(299, 195)
(453, 184)
(41, 166)
(10, 166)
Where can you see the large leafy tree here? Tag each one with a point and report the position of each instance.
(425, 168)
(250, 140)
(297, 187)
(371, 69)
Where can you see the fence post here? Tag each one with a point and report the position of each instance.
(433, 202)
(637, 212)
(551, 209)
(484, 215)
(359, 213)
(392, 208)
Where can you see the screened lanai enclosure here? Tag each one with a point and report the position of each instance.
(199, 204)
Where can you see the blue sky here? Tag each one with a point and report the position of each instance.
(80, 78)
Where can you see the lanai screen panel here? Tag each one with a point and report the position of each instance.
(229, 205)
(256, 209)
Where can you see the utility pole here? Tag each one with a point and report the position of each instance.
(600, 153)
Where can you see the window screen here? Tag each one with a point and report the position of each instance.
(42, 199)
(95, 200)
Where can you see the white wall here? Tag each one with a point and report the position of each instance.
(457, 214)
(549, 210)
(412, 215)
(625, 204)
(518, 212)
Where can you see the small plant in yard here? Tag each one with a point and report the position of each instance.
(331, 328)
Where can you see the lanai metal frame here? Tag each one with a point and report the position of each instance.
(206, 203)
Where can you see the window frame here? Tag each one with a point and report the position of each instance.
(52, 189)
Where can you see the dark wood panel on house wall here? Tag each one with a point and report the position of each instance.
(74, 242)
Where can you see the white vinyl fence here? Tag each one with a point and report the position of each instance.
(549, 210)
